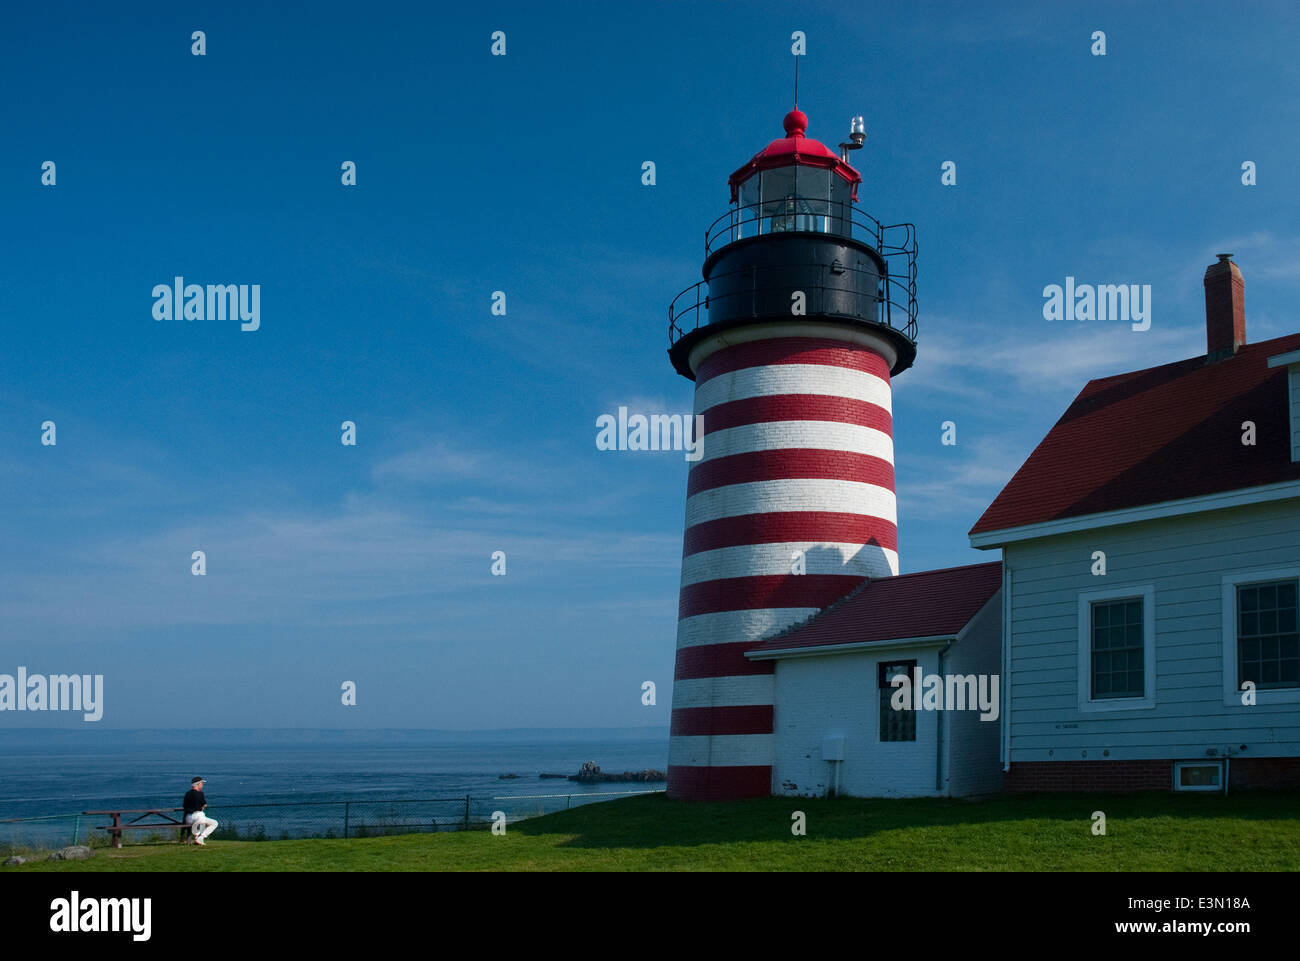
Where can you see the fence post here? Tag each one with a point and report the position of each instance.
(567, 799)
(347, 810)
(466, 811)
(76, 830)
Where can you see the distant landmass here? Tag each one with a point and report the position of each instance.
(270, 735)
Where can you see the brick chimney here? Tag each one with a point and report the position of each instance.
(1225, 310)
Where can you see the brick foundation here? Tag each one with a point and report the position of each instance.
(1124, 776)
(1088, 776)
(1264, 772)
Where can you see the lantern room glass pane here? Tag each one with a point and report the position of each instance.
(796, 198)
(814, 188)
(841, 205)
(778, 199)
(746, 220)
(749, 192)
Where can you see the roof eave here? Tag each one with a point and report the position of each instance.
(857, 646)
(1283, 490)
(1285, 360)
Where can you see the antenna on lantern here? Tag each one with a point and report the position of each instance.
(857, 136)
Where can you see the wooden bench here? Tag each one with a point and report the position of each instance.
(117, 827)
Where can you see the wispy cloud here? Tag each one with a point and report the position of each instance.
(434, 461)
(963, 480)
(404, 547)
(1000, 364)
(1264, 254)
(646, 406)
(303, 569)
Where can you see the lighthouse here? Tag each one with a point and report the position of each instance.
(806, 311)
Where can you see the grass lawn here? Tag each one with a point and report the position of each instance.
(1144, 832)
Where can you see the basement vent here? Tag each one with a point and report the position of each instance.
(1198, 775)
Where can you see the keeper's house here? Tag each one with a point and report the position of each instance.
(1151, 574)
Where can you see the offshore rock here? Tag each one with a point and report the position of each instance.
(590, 773)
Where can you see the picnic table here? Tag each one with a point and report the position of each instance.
(117, 827)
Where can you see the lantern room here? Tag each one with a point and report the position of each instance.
(794, 249)
(795, 183)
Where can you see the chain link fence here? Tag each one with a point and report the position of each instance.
(284, 821)
(22, 835)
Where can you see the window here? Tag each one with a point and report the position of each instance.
(1117, 654)
(1261, 637)
(1268, 645)
(896, 725)
(1198, 776)
(1117, 649)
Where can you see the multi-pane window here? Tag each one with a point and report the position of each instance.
(896, 725)
(1268, 645)
(1117, 649)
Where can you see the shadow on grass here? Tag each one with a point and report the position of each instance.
(649, 822)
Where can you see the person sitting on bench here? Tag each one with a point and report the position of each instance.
(200, 824)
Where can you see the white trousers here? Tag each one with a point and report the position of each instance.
(200, 825)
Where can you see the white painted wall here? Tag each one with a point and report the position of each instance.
(973, 765)
(838, 695)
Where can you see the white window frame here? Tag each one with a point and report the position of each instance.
(1216, 788)
(1293, 384)
(1292, 363)
(1147, 594)
(1231, 695)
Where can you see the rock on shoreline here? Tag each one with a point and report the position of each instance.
(591, 774)
(72, 853)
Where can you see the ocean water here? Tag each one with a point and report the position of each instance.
(307, 781)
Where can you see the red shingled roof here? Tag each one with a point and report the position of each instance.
(1156, 435)
(925, 604)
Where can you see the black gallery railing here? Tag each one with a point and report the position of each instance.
(834, 289)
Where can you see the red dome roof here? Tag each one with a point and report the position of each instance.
(794, 148)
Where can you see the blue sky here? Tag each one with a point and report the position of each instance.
(476, 432)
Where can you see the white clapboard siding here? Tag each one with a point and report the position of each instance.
(1184, 559)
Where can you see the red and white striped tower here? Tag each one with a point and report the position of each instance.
(792, 503)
